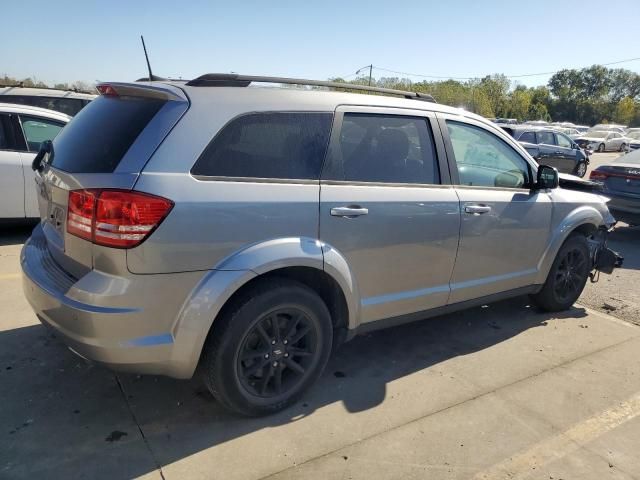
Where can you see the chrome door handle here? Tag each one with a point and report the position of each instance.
(349, 212)
(477, 209)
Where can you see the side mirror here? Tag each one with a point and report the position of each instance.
(547, 177)
(46, 148)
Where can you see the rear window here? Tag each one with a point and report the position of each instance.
(283, 145)
(97, 139)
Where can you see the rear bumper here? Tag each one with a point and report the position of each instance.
(626, 209)
(127, 323)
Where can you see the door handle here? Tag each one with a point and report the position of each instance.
(349, 212)
(477, 209)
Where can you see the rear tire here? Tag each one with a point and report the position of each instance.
(268, 348)
(567, 277)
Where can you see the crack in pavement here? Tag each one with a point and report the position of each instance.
(135, 420)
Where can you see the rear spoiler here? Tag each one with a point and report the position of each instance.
(164, 92)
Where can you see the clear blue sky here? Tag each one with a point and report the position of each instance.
(64, 41)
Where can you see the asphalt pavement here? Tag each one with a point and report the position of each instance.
(496, 392)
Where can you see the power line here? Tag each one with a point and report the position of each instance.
(442, 77)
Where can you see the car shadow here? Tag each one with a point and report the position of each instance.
(52, 396)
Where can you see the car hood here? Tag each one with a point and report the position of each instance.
(590, 139)
(571, 182)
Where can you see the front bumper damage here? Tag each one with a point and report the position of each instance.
(603, 258)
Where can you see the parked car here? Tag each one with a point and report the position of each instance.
(549, 147)
(621, 183)
(634, 139)
(250, 230)
(570, 132)
(22, 129)
(603, 141)
(64, 101)
(582, 128)
(608, 127)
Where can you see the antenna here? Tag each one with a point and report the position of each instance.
(146, 56)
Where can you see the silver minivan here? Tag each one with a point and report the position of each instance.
(249, 229)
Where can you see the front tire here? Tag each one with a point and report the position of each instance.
(601, 148)
(581, 169)
(268, 348)
(623, 147)
(567, 277)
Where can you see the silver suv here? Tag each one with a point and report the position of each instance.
(250, 229)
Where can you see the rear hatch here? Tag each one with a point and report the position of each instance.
(105, 146)
(622, 178)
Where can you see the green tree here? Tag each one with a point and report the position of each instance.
(625, 111)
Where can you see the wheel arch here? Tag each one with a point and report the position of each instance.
(299, 259)
(585, 220)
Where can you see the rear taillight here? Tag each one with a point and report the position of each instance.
(115, 218)
(598, 176)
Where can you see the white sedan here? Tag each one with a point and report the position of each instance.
(603, 141)
(22, 130)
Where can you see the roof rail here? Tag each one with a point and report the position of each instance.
(235, 80)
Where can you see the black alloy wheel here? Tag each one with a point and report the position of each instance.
(277, 353)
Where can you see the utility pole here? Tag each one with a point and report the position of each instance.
(370, 71)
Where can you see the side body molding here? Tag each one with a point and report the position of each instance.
(220, 283)
(583, 215)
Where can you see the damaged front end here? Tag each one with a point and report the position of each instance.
(603, 259)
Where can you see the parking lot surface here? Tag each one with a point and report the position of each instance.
(492, 393)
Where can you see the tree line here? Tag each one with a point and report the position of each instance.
(78, 86)
(585, 97)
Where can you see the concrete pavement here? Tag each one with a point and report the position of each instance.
(495, 392)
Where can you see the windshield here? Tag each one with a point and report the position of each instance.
(634, 135)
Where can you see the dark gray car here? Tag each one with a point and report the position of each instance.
(553, 148)
(621, 183)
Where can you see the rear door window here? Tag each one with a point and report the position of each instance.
(275, 145)
(528, 137)
(37, 130)
(386, 149)
(546, 138)
(100, 135)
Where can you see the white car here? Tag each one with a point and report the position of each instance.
(65, 101)
(22, 130)
(603, 141)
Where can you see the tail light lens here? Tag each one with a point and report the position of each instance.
(598, 176)
(115, 218)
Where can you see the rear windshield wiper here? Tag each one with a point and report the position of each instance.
(46, 148)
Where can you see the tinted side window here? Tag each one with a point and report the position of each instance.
(285, 145)
(485, 160)
(386, 148)
(529, 137)
(547, 138)
(37, 130)
(6, 133)
(70, 106)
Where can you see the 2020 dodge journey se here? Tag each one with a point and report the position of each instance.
(250, 229)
